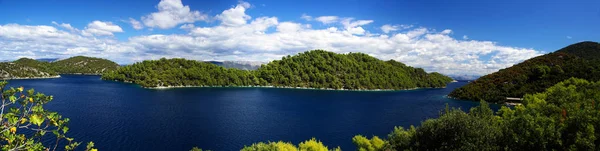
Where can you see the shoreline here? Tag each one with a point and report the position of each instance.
(281, 87)
(86, 74)
(24, 78)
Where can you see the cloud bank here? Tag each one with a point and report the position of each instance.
(239, 36)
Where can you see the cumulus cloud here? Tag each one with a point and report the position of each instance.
(235, 16)
(66, 26)
(172, 13)
(327, 19)
(242, 37)
(465, 37)
(354, 27)
(137, 25)
(41, 41)
(187, 26)
(387, 28)
(101, 28)
(306, 17)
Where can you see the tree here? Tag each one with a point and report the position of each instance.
(308, 145)
(22, 113)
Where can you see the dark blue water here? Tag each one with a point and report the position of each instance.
(120, 116)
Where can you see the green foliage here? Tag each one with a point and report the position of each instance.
(197, 149)
(30, 68)
(314, 69)
(9, 70)
(308, 145)
(564, 117)
(24, 121)
(322, 69)
(581, 60)
(84, 65)
(180, 72)
(365, 144)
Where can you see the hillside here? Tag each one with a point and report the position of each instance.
(581, 60)
(30, 68)
(322, 69)
(180, 72)
(10, 70)
(42, 66)
(312, 69)
(83, 65)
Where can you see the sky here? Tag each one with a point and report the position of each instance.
(463, 37)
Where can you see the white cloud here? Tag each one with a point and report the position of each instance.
(389, 28)
(354, 27)
(251, 39)
(172, 13)
(465, 37)
(235, 16)
(306, 17)
(101, 28)
(137, 25)
(327, 19)
(66, 26)
(187, 26)
(49, 42)
(446, 31)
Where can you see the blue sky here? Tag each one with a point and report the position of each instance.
(443, 36)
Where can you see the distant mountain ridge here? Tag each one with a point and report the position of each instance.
(242, 65)
(464, 77)
(47, 59)
(580, 60)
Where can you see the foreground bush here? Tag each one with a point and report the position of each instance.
(24, 122)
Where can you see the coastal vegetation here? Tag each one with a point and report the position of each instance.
(30, 68)
(563, 117)
(83, 65)
(25, 124)
(581, 60)
(311, 69)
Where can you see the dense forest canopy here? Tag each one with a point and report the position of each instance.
(30, 68)
(312, 69)
(581, 60)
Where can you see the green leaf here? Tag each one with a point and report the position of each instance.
(65, 129)
(36, 119)
(12, 98)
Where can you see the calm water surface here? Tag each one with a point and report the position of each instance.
(120, 116)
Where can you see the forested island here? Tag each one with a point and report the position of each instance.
(580, 60)
(26, 68)
(312, 69)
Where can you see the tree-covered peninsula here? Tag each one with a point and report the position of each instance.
(29, 68)
(581, 60)
(311, 69)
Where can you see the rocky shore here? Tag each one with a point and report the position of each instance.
(282, 87)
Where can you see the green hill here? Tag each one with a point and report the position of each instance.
(312, 69)
(19, 70)
(322, 69)
(83, 65)
(30, 68)
(581, 60)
